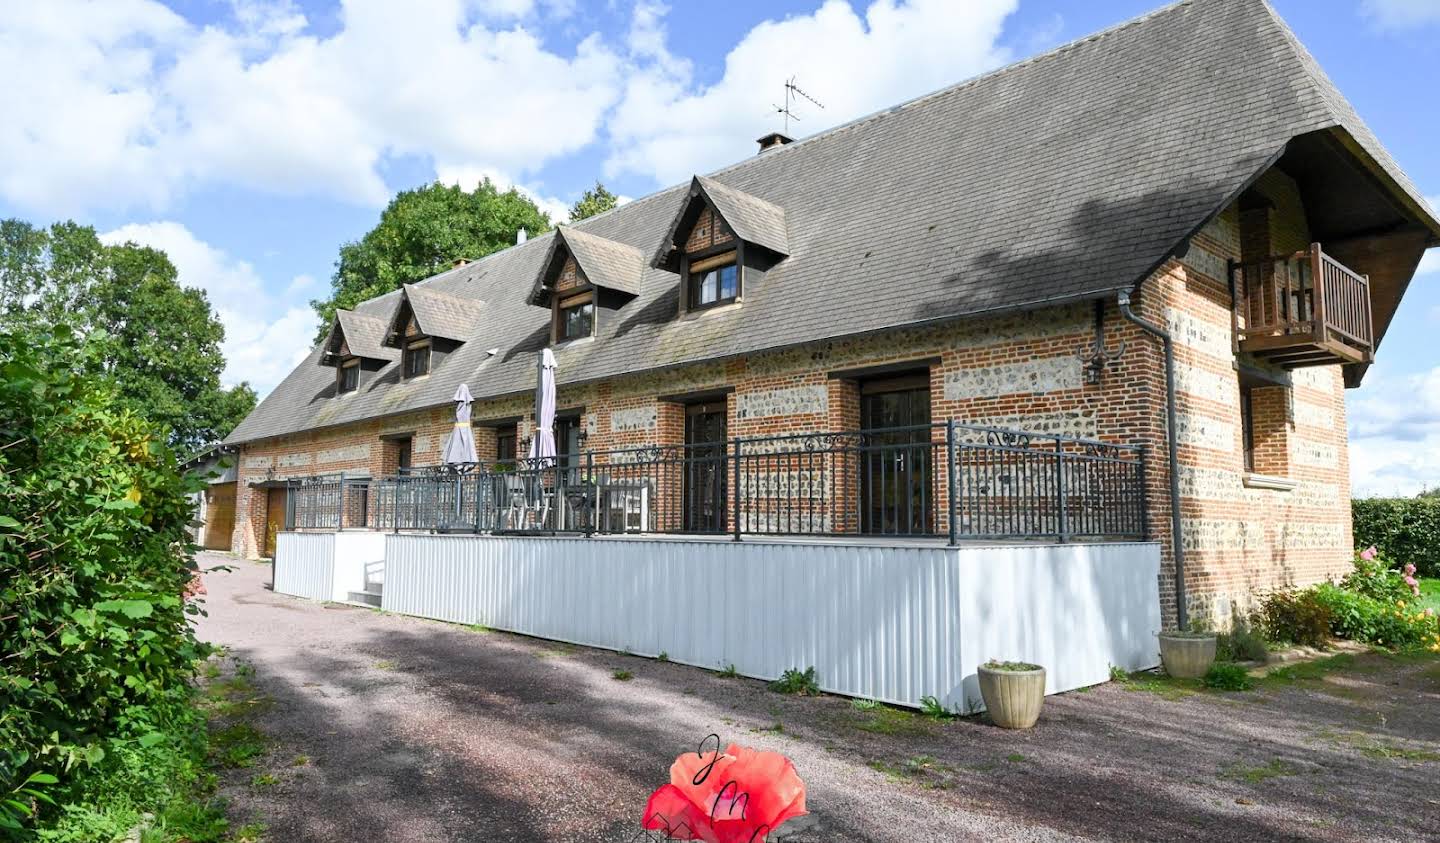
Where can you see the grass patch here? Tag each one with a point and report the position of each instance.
(1274, 769)
(663, 657)
(1429, 594)
(1228, 676)
(1380, 749)
(559, 651)
(236, 745)
(264, 780)
(385, 664)
(1313, 671)
(888, 720)
(861, 704)
(1015, 758)
(1165, 687)
(776, 728)
(479, 629)
(923, 770)
(622, 675)
(730, 672)
(935, 710)
(300, 761)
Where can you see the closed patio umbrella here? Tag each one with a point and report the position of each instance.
(460, 446)
(542, 446)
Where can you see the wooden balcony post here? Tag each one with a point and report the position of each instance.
(1317, 284)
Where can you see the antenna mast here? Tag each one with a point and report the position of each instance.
(791, 91)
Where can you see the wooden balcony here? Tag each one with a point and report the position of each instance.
(1304, 309)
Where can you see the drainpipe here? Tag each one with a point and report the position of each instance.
(1177, 546)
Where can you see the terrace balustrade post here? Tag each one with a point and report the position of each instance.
(594, 485)
(1060, 490)
(1144, 494)
(735, 492)
(954, 528)
(340, 515)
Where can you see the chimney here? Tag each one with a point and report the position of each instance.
(774, 140)
(521, 236)
(459, 262)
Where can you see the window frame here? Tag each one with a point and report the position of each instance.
(1247, 424)
(412, 349)
(347, 366)
(508, 433)
(575, 301)
(712, 260)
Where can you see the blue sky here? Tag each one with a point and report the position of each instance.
(250, 138)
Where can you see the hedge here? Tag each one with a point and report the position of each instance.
(1406, 529)
(96, 647)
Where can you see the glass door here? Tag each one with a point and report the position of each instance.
(896, 495)
(704, 478)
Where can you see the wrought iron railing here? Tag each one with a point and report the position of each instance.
(948, 480)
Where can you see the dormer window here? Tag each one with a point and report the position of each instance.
(347, 377)
(417, 358)
(714, 280)
(721, 242)
(575, 317)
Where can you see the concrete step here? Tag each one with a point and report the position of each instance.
(366, 598)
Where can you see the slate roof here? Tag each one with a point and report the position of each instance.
(364, 335)
(440, 314)
(1064, 177)
(605, 263)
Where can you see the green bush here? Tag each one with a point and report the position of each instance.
(1241, 643)
(1375, 579)
(1396, 625)
(1295, 616)
(98, 650)
(1407, 528)
(793, 681)
(1228, 676)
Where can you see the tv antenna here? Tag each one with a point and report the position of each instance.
(791, 92)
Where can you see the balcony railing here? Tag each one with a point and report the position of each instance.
(949, 480)
(1304, 309)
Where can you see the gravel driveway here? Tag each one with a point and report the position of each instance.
(416, 730)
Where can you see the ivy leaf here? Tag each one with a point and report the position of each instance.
(150, 739)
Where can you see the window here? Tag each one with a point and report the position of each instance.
(714, 281)
(1247, 422)
(348, 376)
(575, 319)
(403, 452)
(417, 359)
(567, 446)
(505, 444)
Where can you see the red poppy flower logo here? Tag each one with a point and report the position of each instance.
(739, 796)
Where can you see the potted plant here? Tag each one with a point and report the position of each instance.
(1187, 655)
(1013, 692)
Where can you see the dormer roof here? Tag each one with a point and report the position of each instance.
(604, 263)
(436, 314)
(354, 335)
(750, 218)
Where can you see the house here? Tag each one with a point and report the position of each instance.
(1004, 253)
(213, 526)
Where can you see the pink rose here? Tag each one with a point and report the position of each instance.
(1409, 570)
(1369, 553)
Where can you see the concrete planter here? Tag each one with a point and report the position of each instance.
(1187, 655)
(1013, 697)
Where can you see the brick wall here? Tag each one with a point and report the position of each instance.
(1015, 371)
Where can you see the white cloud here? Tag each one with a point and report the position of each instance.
(668, 127)
(126, 104)
(265, 336)
(1395, 433)
(1401, 14)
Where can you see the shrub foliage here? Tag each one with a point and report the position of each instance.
(1407, 528)
(96, 651)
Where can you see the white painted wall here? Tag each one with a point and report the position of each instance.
(893, 623)
(355, 553)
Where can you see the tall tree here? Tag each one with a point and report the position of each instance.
(596, 200)
(158, 342)
(422, 232)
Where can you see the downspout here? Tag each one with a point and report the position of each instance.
(1178, 547)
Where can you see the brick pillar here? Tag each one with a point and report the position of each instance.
(1270, 413)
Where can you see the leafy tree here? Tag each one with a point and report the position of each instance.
(597, 200)
(156, 341)
(422, 232)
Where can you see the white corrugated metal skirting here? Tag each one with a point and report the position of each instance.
(305, 565)
(893, 623)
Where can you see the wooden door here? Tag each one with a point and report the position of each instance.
(705, 475)
(219, 516)
(895, 473)
(274, 518)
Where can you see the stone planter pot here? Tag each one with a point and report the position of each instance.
(1013, 697)
(1187, 655)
